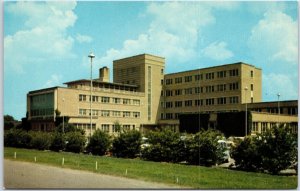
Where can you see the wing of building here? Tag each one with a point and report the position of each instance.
(142, 97)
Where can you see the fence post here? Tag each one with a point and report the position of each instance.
(15, 155)
(34, 159)
(63, 161)
(96, 165)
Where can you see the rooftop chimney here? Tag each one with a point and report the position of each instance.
(104, 74)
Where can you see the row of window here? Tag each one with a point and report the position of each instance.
(110, 113)
(112, 128)
(208, 76)
(208, 89)
(201, 102)
(264, 126)
(104, 99)
(41, 112)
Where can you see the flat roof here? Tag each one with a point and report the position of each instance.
(139, 56)
(223, 65)
(42, 90)
(101, 82)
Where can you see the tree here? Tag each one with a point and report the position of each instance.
(278, 149)
(99, 143)
(58, 142)
(40, 140)
(9, 122)
(75, 142)
(204, 148)
(69, 128)
(127, 145)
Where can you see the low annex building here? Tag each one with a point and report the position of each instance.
(142, 97)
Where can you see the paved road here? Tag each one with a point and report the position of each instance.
(30, 175)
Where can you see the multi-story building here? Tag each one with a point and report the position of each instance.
(142, 97)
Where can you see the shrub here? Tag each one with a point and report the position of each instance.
(165, 146)
(204, 148)
(17, 138)
(75, 142)
(246, 154)
(58, 142)
(127, 145)
(69, 128)
(99, 143)
(274, 150)
(277, 148)
(40, 140)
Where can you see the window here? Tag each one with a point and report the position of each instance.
(178, 92)
(95, 98)
(187, 78)
(104, 99)
(178, 80)
(234, 72)
(116, 100)
(210, 101)
(105, 113)
(169, 93)
(221, 87)
(188, 103)
(209, 89)
(234, 99)
(116, 113)
(251, 99)
(198, 102)
(162, 82)
(178, 103)
(255, 127)
(169, 104)
(209, 76)
(126, 101)
(221, 74)
(221, 100)
(126, 113)
(95, 112)
(188, 91)
(82, 111)
(82, 97)
(169, 81)
(105, 127)
(198, 90)
(126, 127)
(234, 86)
(251, 73)
(264, 126)
(251, 87)
(136, 102)
(162, 71)
(169, 115)
(136, 114)
(198, 77)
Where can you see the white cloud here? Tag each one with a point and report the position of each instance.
(43, 36)
(173, 33)
(280, 83)
(217, 51)
(275, 38)
(55, 80)
(83, 38)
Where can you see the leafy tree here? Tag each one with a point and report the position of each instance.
(17, 138)
(58, 142)
(9, 121)
(165, 145)
(204, 148)
(246, 154)
(75, 142)
(278, 149)
(273, 150)
(69, 128)
(99, 143)
(118, 127)
(127, 145)
(40, 140)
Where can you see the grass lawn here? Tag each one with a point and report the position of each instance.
(187, 176)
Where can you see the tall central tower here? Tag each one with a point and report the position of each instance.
(147, 72)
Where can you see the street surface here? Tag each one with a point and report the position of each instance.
(26, 175)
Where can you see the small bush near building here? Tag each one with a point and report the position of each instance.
(58, 142)
(204, 148)
(127, 145)
(75, 142)
(40, 140)
(99, 143)
(164, 146)
(274, 150)
(17, 138)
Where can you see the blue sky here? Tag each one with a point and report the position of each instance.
(47, 43)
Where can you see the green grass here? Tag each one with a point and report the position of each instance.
(188, 176)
